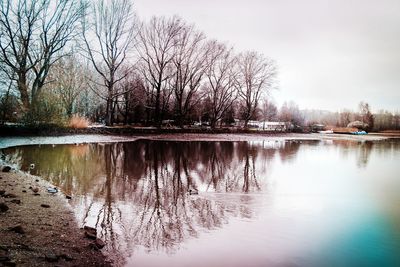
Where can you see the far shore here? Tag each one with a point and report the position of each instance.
(11, 141)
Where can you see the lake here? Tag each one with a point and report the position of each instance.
(267, 203)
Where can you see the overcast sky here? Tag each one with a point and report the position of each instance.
(330, 54)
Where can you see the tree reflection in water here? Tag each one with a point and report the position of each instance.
(137, 194)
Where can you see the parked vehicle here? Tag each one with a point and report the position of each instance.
(359, 133)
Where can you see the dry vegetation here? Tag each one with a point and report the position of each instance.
(78, 122)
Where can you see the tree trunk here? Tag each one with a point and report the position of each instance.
(157, 111)
(247, 117)
(70, 108)
(108, 112)
(113, 105)
(126, 109)
(213, 123)
(23, 90)
(180, 118)
(6, 106)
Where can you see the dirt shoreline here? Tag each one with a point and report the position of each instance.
(38, 228)
(51, 235)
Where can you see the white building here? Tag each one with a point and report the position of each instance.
(264, 125)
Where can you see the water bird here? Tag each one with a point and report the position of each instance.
(52, 190)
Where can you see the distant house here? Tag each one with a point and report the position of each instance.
(274, 126)
(317, 127)
(263, 125)
(358, 125)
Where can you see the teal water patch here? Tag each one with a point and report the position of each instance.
(371, 243)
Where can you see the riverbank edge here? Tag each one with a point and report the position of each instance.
(38, 228)
(56, 130)
(12, 141)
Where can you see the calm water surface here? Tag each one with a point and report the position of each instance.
(297, 203)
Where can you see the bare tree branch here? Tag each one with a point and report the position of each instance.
(111, 27)
(34, 34)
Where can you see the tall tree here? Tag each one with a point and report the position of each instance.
(108, 34)
(69, 81)
(269, 110)
(255, 77)
(132, 97)
(7, 101)
(156, 50)
(291, 114)
(190, 64)
(219, 86)
(366, 115)
(345, 117)
(33, 35)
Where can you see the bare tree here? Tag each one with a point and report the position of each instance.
(270, 111)
(345, 117)
(255, 77)
(69, 81)
(190, 65)
(291, 114)
(156, 50)
(7, 101)
(366, 115)
(219, 87)
(133, 95)
(383, 120)
(33, 35)
(108, 38)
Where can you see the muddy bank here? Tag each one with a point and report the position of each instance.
(38, 229)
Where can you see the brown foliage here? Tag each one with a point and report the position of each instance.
(78, 122)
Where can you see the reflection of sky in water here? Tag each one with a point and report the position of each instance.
(300, 203)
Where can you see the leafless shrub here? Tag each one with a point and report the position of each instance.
(78, 122)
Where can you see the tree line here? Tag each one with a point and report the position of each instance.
(378, 121)
(305, 118)
(96, 59)
(59, 58)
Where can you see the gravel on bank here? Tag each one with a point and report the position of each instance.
(37, 228)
